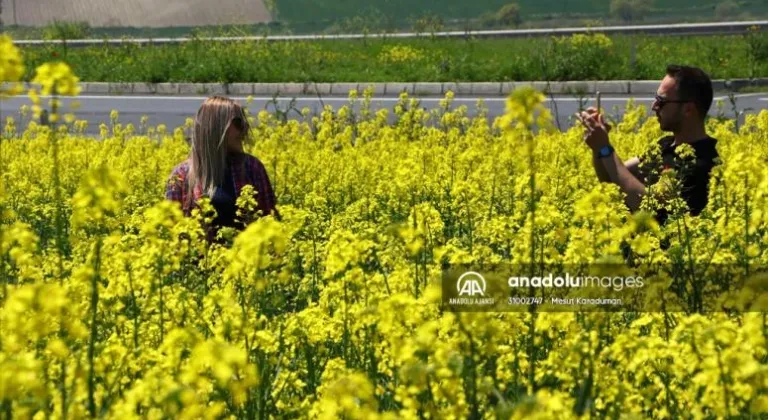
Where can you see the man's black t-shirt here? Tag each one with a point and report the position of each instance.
(694, 173)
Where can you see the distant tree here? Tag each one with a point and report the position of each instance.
(509, 14)
(726, 9)
(429, 23)
(370, 23)
(630, 10)
(271, 6)
(66, 30)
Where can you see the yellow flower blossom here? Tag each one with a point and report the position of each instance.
(11, 67)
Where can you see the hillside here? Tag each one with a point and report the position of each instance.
(398, 12)
(135, 13)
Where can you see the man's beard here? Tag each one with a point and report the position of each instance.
(670, 124)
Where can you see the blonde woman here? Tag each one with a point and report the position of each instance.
(218, 168)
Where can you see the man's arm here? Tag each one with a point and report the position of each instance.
(620, 175)
(632, 166)
(596, 138)
(599, 168)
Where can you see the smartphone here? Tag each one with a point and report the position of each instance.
(598, 102)
(607, 125)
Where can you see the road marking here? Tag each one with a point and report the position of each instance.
(740, 95)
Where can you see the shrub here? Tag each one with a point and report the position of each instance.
(630, 10)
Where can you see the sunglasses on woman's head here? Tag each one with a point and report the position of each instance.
(238, 123)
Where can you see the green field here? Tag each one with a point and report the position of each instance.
(380, 16)
(593, 57)
(398, 12)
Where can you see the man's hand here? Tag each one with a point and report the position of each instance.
(592, 111)
(596, 135)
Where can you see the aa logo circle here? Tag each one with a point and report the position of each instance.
(471, 283)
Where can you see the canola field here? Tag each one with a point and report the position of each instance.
(112, 306)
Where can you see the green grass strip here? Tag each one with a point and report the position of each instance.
(580, 57)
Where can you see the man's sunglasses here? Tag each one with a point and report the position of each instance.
(661, 101)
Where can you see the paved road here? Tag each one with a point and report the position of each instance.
(173, 110)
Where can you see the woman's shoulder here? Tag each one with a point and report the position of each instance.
(251, 162)
(182, 166)
(255, 171)
(181, 169)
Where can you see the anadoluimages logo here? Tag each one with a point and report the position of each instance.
(471, 283)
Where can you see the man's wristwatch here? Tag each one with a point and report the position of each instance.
(605, 151)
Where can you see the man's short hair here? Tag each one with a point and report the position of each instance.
(693, 84)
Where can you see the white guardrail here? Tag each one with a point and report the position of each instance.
(718, 28)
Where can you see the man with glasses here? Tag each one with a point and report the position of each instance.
(682, 102)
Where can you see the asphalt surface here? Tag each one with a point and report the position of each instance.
(173, 110)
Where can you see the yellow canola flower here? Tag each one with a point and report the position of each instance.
(525, 107)
(56, 79)
(98, 200)
(335, 309)
(11, 67)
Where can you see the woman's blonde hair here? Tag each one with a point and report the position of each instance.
(208, 157)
